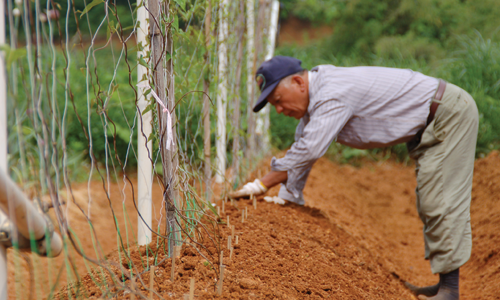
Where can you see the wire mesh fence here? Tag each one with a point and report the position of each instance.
(112, 102)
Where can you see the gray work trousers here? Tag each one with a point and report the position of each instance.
(444, 157)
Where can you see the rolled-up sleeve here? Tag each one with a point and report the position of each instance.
(312, 139)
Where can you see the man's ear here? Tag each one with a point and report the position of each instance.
(297, 79)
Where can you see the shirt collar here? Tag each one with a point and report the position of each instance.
(311, 77)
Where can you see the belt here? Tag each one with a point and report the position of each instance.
(434, 105)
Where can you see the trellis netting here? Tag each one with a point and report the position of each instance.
(80, 118)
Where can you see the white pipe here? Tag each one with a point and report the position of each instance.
(263, 122)
(222, 93)
(3, 145)
(28, 221)
(273, 28)
(144, 165)
(23, 214)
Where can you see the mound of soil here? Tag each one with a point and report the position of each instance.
(358, 237)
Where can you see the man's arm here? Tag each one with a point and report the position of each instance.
(274, 177)
(329, 118)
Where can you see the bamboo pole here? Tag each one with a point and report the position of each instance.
(237, 99)
(222, 93)
(206, 102)
(161, 84)
(144, 148)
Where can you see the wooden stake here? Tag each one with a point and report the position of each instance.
(132, 288)
(161, 46)
(225, 199)
(221, 281)
(232, 232)
(151, 280)
(206, 103)
(246, 212)
(228, 224)
(236, 243)
(254, 203)
(229, 242)
(172, 272)
(218, 210)
(191, 289)
(223, 207)
(242, 216)
(231, 253)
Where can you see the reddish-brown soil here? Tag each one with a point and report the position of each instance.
(358, 237)
(296, 31)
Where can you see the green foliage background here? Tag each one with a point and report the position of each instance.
(456, 40)
(450, 39)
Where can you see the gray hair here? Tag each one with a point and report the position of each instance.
(287, 80)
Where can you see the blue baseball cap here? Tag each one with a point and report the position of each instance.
(270, 73)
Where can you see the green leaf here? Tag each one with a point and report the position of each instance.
(151, 136)
(147, 109)
(181, 3)
(90, 6)
(175, 23)
(129, 27)
(142, 62)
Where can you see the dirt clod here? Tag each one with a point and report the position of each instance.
(247, 283)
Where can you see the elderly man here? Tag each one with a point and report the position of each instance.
(368, 107)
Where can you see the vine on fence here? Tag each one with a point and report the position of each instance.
(74, 115)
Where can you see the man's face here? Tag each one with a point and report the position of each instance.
(291, 99)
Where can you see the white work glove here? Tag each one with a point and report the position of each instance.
(275, 200)
(252, 188)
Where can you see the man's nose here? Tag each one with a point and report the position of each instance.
(279, 109)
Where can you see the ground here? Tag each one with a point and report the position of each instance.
(358, 237)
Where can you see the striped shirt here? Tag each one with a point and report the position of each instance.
(361, 107)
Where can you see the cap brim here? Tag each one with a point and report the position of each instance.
(263, 96)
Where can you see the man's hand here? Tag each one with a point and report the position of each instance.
(252, 188)
(275, 200)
